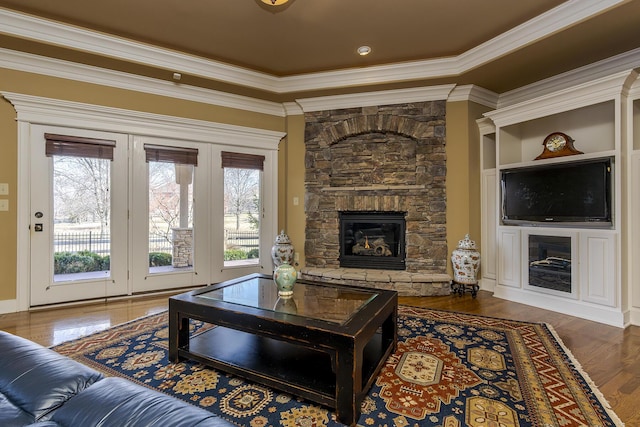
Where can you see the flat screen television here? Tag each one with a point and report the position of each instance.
(571, 194)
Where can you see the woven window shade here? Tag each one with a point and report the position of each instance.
(76, 146)
(180, 155)
(242, 161)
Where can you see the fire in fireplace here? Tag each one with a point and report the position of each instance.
(372, 240)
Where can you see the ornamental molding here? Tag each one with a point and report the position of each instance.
(557, 19)
(47, 111)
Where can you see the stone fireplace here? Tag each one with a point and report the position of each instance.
(385, 159)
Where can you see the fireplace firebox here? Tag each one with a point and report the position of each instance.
(373, 240)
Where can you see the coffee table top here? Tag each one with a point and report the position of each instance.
(313, 300)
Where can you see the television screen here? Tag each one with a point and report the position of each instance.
(576, 192)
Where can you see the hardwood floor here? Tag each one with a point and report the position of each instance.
(610, 355)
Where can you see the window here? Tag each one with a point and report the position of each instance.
(81, 206)
(242, 207)
(171, 232)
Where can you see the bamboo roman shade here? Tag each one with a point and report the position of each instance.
(77, 146)
(180, 155)
(242, 161)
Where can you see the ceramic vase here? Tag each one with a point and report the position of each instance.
(285, 276)
(282, 250)
(466, 262)
(286, 305)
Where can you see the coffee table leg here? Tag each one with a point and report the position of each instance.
(347, 409)
(178, 335)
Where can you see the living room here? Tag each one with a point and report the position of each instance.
(50, 83)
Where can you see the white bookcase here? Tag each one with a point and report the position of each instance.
(603, 117)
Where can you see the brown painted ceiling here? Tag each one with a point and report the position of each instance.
(309, 36)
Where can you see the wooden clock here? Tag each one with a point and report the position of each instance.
(557, 144)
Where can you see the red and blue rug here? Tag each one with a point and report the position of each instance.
(450, 370)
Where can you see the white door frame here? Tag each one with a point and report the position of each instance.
(38, 110)
(43, 289)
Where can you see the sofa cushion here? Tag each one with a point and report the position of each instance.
(34, 380)
(11, 415)
(117, 402)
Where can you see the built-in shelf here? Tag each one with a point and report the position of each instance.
(603, 118)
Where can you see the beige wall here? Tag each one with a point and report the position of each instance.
(463, 173)
(291, 218)
(8, 220)
(50, 87)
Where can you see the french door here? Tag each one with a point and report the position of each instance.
(170, 234)
(78, 208)
(116, 214)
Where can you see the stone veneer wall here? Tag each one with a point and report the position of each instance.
(182, 247)
(384, 158)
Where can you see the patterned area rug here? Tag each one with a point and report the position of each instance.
(450, 370)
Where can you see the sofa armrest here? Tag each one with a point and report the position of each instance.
(117, 402)
(37, 380)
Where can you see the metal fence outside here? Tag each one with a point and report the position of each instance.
(100, 243)
(245, 240)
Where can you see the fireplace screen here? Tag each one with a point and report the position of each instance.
(372, 240)
(550, 262)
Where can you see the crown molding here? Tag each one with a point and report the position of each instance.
(84, 73)
(601, 69)
(599, 90)
(368, 99)
(563, 16)
(474, 93)
(292, 109)
(34, 28)
(634, 90)
(486, 126)
(40, 110)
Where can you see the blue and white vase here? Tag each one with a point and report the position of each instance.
(282, 250)
(466, 262)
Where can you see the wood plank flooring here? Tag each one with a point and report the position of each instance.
(610, 355)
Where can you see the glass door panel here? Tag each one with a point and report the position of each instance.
(242, 212)
(79, 190)
(81, 218)
(170, 217)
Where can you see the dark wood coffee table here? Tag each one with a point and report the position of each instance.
(326, 344)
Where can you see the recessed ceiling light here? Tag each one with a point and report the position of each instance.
(364, 50)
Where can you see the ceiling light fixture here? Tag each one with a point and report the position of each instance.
(274, 6)
(363, 50)
(275, 2)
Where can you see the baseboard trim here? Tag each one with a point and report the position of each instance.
(607, 315)
(8, 306)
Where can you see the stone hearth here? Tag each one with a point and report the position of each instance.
(378, 159)
(405, 283)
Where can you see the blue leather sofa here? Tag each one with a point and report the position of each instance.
(39, 387)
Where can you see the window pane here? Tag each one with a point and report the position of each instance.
(82, 218)
(170, 217)
(242, 211)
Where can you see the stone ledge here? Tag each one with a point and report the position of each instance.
(405, 283)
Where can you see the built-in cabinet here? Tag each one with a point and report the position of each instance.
(601, 279)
